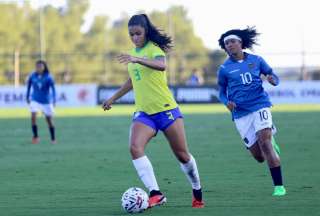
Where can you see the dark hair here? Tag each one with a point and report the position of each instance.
(248, 37)
(152, 33)
(46, 69)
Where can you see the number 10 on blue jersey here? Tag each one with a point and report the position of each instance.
(246, 78)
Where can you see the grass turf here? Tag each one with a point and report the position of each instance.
(90, 167)
(120, 110)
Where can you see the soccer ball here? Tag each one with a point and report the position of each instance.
(135, 200)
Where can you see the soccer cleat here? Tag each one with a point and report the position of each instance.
(197, 203)
(275, 145)
(157, 200)
(53, 142)
(279, 191)
(35, 140)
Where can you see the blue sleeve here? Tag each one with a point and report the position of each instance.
(53, 89)
(222, 83)
(29, 87)
(276, 78)
(267, 70)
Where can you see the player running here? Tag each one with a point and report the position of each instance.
(41, 81)
(240, 83)
(156, 108)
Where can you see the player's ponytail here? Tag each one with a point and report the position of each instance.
(152, 33)
(248, 37)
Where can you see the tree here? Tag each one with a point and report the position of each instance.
(189, 51)
(90, 56)
(217, 57)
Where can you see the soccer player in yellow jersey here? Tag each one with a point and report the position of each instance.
(156, 108)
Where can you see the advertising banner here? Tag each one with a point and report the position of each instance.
(67, 95)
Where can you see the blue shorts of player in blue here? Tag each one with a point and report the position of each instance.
(158, 121)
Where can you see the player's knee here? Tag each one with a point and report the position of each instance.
(136, 149)
(183, 157)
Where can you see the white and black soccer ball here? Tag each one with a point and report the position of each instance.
(135, 200)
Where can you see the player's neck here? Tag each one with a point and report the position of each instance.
(238, 56)
(141, 47)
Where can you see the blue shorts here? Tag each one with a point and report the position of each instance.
(158, 121)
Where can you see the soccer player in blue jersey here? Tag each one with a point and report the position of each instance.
(240, 89)
(41, 82)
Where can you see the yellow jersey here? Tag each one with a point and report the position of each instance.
(151, 92)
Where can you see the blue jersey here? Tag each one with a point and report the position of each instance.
(41, 85)
(240, 82)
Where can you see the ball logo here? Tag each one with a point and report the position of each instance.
(139, 201)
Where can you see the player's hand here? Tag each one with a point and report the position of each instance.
(107, 104)
(125, 59)
(28, 101)
(271, 80)
(231, 105)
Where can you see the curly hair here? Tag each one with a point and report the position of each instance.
(248, 37)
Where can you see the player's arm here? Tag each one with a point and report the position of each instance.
(222, 83)
(53, 88)
(273, 79)
(125, 88)
(158, 63)
(28, 90)
(266, 70)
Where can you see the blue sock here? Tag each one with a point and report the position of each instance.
(197, 194)
(52, 133)
(276, 176)
(35, 131)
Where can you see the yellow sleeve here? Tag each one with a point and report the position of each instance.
(157, 51)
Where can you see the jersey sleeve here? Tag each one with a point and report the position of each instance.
(53, 88)
(264, 67)
(222, 83)
(29, 87)
(267, 70)
(157, 52)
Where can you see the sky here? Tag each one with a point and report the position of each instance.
(288, 27)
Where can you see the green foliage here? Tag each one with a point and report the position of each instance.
(77, 56)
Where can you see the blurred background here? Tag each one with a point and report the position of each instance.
(80, 39)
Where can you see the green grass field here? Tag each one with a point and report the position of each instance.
(90, 167)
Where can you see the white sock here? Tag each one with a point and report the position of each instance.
(145, 172)
(191, 171)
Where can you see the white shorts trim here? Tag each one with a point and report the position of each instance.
(250, 124)
(46, 109)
